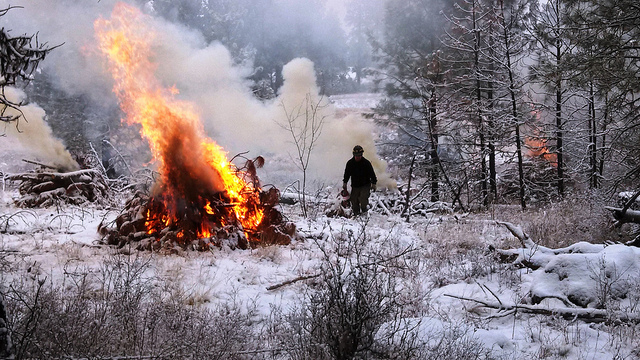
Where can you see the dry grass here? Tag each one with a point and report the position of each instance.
(575, 219)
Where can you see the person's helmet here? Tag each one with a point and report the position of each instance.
(358, 150)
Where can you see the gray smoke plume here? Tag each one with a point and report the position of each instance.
(206, 75)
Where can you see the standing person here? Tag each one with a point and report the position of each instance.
(363, 180)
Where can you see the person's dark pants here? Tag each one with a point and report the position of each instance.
(360, 199)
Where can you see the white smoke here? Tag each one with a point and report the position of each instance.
(206, 75)
(34, 134)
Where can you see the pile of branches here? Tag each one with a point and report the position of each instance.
(132, 227)
(44, 189)
(540, 181)
(413, 203)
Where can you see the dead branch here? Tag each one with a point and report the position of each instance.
(517, 231)
(299, 278)
(586, 314)
(379, 262)
(41, 164)
(124, 161)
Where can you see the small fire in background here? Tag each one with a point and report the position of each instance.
(536, 145)
(537, 148)
(199, 192)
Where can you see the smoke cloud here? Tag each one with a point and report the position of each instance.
(205, 74)
(35, 135)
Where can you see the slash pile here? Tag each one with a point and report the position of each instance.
(195, 228)
(44, 189)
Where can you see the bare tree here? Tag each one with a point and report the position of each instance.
(19, 58)
(304, 122)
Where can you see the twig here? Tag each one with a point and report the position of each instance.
(307, 277)
(41, 164)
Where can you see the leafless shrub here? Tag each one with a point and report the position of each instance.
(341, 313)
(119, 311)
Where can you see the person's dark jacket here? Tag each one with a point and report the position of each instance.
(361, 173)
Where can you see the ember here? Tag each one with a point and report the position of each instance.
(200, 195)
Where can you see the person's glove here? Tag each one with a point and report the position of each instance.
(373, 187)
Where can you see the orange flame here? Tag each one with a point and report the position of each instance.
(192, 167)
(537, 147)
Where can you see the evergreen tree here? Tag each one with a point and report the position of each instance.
(364, 18)
(412, 72)
(510, 46)
(609, 76)
(552, 71)
(19, 59)
(469, 104)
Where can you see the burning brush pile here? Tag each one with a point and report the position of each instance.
(200, 198)
(199, 220)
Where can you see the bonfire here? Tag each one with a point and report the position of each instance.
(200, 198)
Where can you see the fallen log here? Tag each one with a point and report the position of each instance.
(586, 314)
(623, 216)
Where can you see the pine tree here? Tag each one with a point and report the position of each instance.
(609, 76)
(552, 71)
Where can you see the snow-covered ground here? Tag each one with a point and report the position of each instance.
(448, 275)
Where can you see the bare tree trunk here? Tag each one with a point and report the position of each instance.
(483, 161)
(593, 140)
(514, 113)
(405, 210)
(435, 177)
(559, 128)
(493, 174)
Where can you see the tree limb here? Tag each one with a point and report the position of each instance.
(587, 314)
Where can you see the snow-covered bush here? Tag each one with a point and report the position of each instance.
(357, 292)
(119, 310)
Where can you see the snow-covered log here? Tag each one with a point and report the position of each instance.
(43, 189)
(585, 314)
(581, 275)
